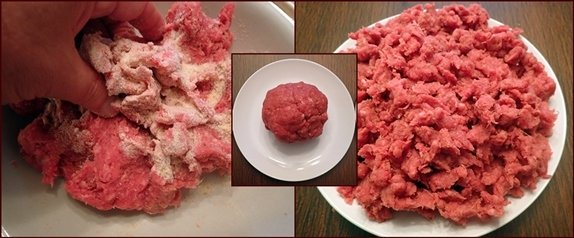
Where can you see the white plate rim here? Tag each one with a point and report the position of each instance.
(349, 212)
(288, 174)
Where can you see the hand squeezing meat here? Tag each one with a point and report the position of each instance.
(174, 123)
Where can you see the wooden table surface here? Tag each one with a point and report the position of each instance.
(322, 27)
(342, 65)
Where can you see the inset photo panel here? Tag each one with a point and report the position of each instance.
(464, 123)
(294, 119)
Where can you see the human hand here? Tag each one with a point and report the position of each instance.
(39, 58)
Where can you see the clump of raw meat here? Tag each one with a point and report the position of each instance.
(295, 111)
(453, 115)
(174, 121)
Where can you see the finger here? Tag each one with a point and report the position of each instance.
(142, 15)
(85, 87)
(124, 30)
(150, 23)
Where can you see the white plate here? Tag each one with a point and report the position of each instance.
(409, 224)
(302, 160)
(30, 208)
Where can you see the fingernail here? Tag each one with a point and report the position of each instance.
(107, 110)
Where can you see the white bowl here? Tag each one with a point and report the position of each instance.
(410, 224)
(30, 208)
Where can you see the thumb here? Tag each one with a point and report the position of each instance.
(85, 87)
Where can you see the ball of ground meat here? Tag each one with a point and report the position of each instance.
(295, 111)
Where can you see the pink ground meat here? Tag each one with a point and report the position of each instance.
(174, 125)
(295, 111)
(453, 116)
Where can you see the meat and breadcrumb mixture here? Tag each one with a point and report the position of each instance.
(453, 116)
(174, 121)
(295, 111)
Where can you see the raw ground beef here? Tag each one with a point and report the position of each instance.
(453, 116)
(295, 111)
(174, 122)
